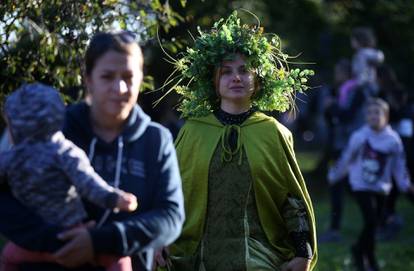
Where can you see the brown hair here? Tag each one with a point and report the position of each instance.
(122, 42)
(364, 36)
(381, 104)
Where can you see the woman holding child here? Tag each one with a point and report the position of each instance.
(128, 151)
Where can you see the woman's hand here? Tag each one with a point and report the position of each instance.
(78, 250)
(297, 264)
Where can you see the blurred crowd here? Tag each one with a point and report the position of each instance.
(336, 114)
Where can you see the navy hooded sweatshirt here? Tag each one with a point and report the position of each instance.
(142, 160)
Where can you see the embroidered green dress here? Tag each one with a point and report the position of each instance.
(232, 225)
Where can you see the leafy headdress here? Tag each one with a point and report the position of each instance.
(194, 71)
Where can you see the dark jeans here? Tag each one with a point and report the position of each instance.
(371, 205)
(337, 192)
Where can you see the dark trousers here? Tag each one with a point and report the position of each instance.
(337, 203)
(371, 205)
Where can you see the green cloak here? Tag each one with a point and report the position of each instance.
(275, 172)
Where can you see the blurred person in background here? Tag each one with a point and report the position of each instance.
(373, 156)
(344, 114)
(365, 59)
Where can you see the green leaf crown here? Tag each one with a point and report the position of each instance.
(277, 83)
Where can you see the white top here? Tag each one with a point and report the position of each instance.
(371, 159)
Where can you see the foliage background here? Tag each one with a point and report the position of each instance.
(44, 40)
(316, 30)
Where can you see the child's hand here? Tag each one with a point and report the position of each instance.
(127, 202)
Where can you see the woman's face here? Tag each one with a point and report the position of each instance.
(113, 84)
(376, 117)
(235, 82)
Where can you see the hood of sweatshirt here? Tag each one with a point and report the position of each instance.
(78, 120)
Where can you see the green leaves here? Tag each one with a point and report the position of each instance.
(263, 55)
(46, 40)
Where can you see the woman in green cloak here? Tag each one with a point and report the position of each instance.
(247, 206)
